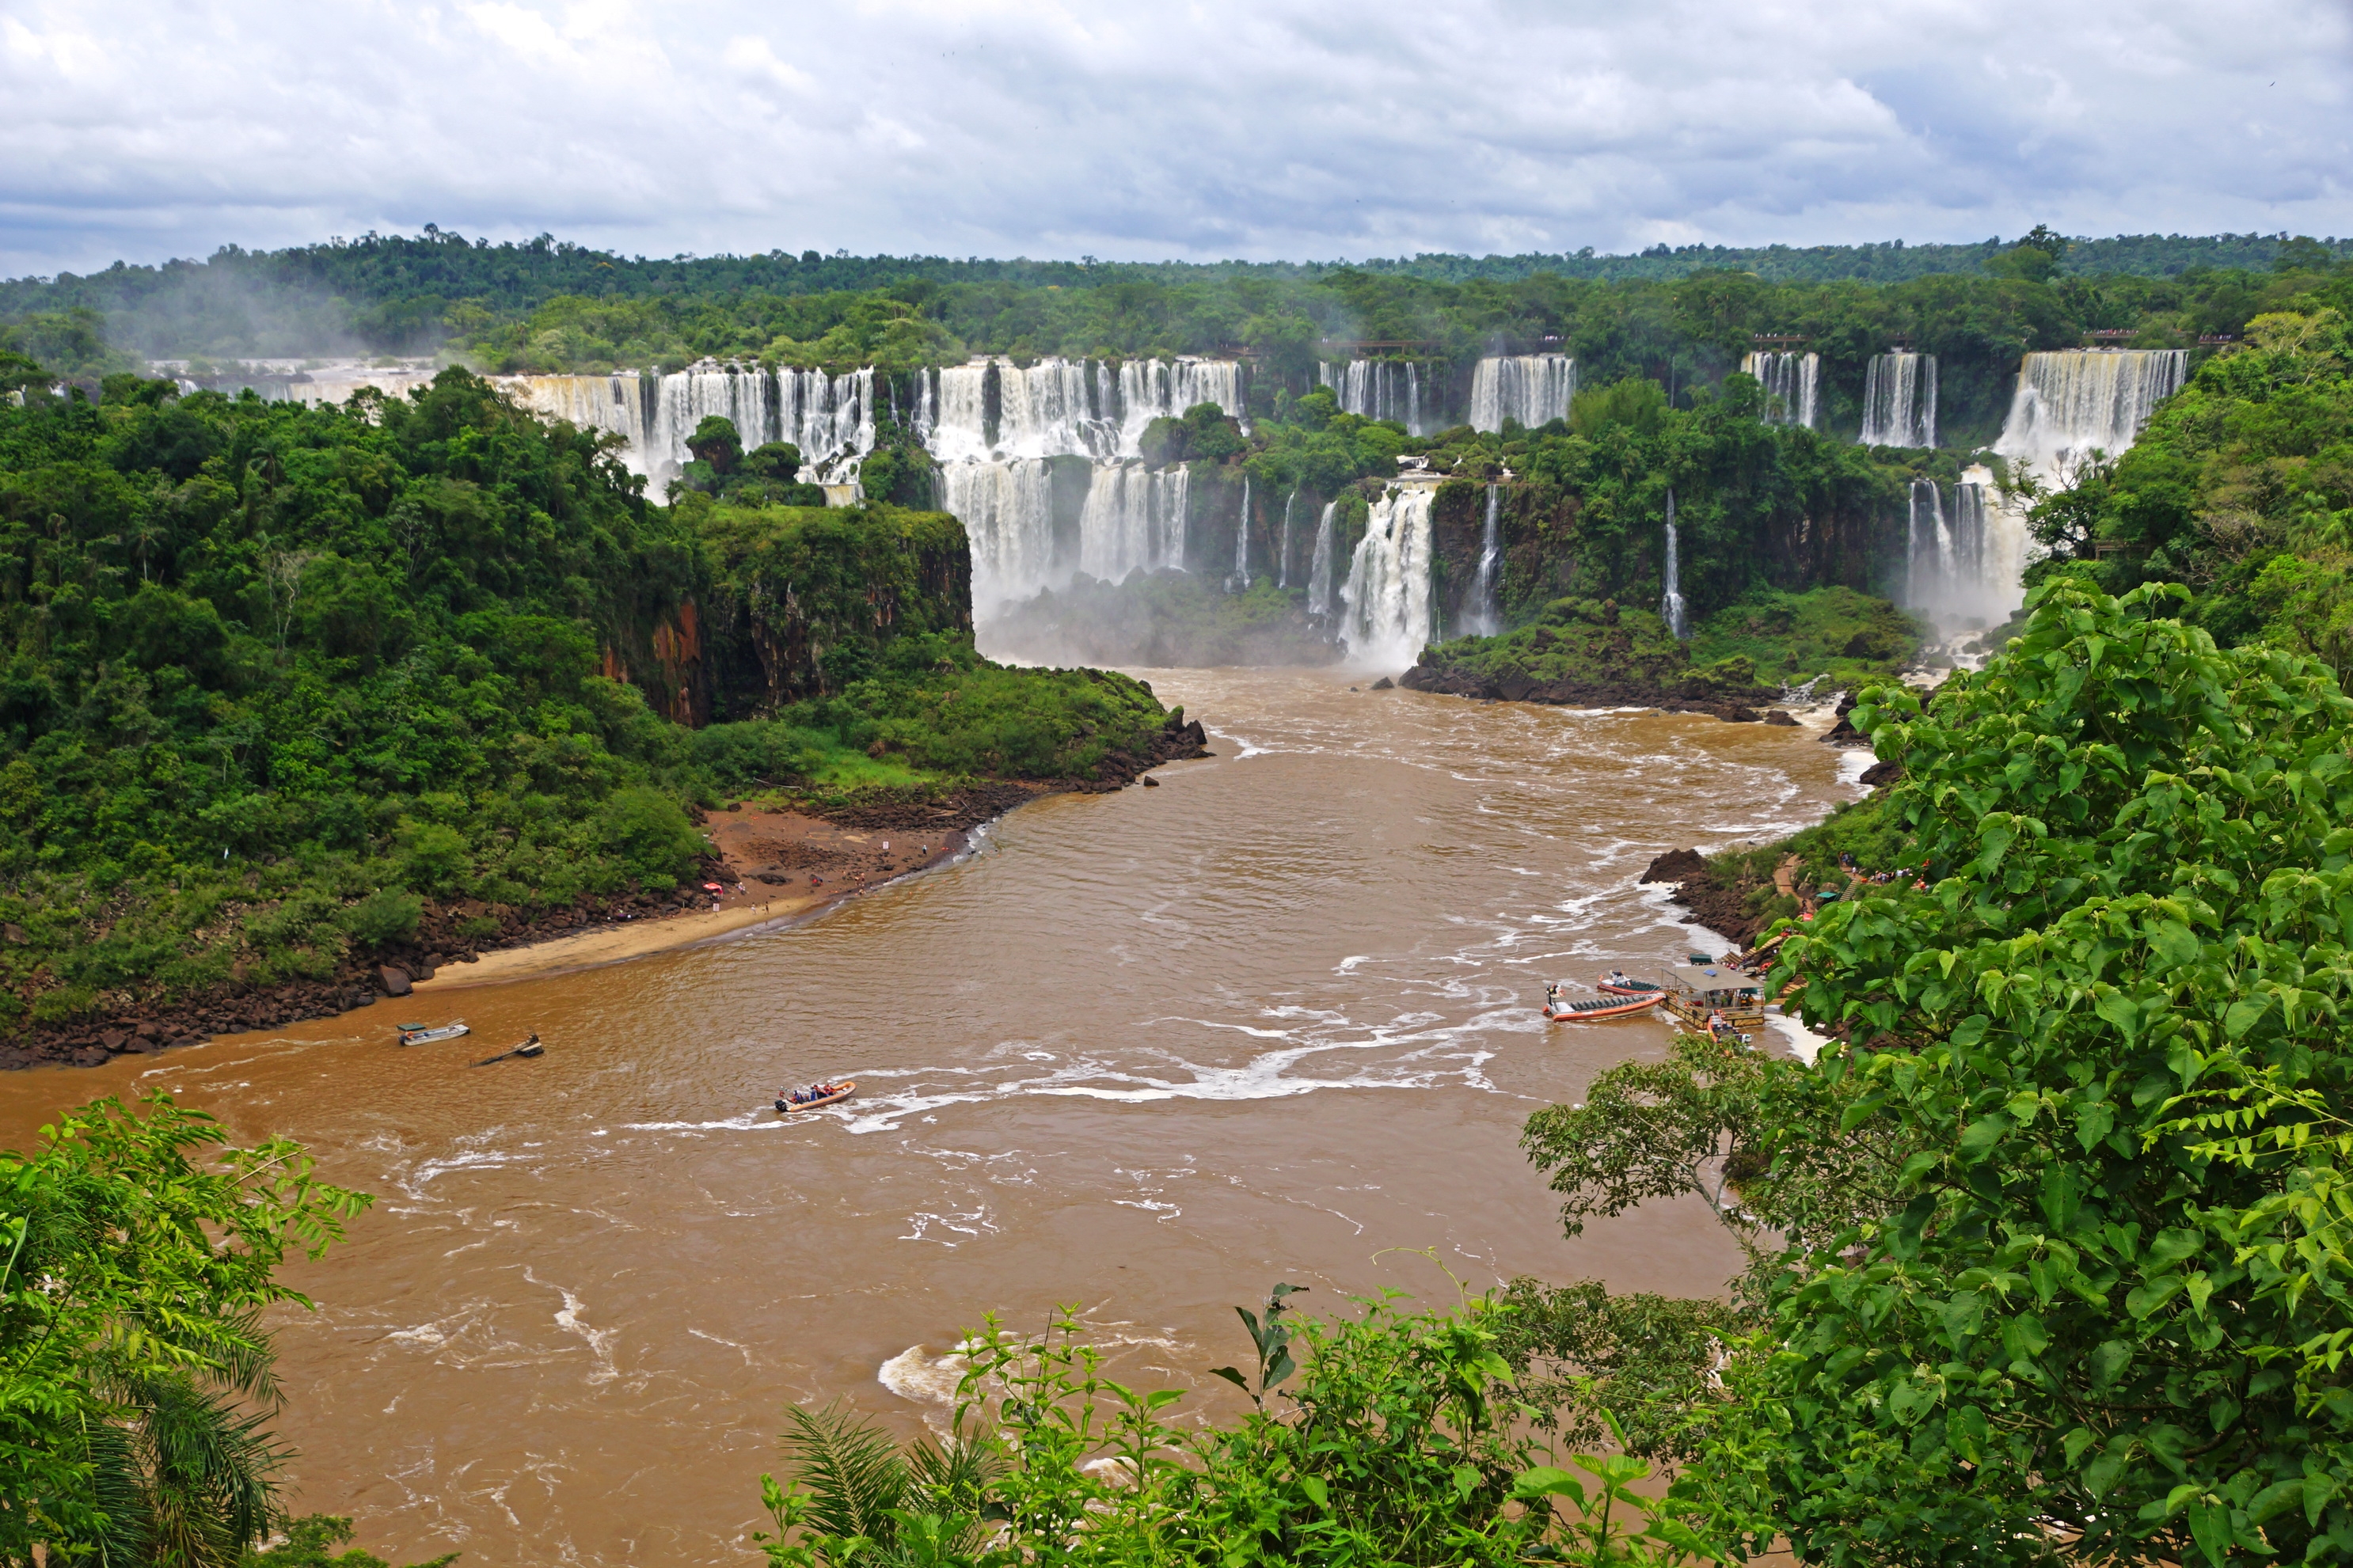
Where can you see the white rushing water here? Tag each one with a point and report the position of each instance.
(1378, 389)
(1899, 401)
(1319, 569)
(1134, 520)
(1282, 558)
(1966, 554)
(1534, 389)
(1671, 604)
(1482, 616)
(1241, 542)
(1793, 386)
(2074, 401)
(1385, 604)
(1008, 513)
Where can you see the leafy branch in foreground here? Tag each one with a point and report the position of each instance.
(135, 1377)
(1402, 1443)
(2096, 1323)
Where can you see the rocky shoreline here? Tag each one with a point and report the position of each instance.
(1734, 705)
(454, 933)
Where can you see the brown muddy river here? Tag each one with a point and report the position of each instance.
(1147, 1052)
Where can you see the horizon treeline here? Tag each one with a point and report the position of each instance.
(436, 291)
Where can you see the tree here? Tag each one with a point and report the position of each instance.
(715, 442)
(2103, 1315)
(135, 1376)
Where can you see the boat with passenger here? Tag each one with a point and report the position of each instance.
(427, 1033)
(816, 1094)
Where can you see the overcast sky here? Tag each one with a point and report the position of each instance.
(146, 128)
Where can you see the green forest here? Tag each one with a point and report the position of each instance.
(279, 679)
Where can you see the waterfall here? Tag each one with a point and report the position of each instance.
(1485, 618)
(1378, 389)
(1965, 563)
(1241, 542)
(1899, 401)
(1152, 389)
(1008, 513)
(1793, 385)
(1319, 569)
(1134, 520)
(623, 404)
(960, 430)
(1282, 560)
(1384, 614)
(1671, 604)
(1534, 389)
(2073, 399)
(1928, 562)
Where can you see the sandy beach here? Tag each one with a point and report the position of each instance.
(780, 866)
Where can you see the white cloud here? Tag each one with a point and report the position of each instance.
(1264, 127)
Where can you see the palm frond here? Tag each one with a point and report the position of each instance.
(852, 1469)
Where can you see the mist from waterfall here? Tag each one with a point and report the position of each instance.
(1671, 604)
(1793, 386)
(2072, 401)
(1482, 617)
(1378, 389)
(1534, 389)
(1385, 604)
(1899, 401)
(1966, 554)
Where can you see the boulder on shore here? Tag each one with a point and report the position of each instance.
(1676, 866)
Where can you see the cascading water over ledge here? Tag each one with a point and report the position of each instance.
(1793, 386)
(1385, 609)
(1899, 401)
(2072, 402)
(1378, 389)
(1534, 389)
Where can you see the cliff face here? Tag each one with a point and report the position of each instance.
(801, 598)
(1554, 544)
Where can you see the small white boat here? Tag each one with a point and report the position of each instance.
(427, 1033)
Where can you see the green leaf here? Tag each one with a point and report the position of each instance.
(2147, 1298)
(2209, 1526)
(1981, 1135)
(2109, 1468)
(1315, 1486)
(2245, 1014)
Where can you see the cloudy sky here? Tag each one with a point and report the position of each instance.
(145, 129)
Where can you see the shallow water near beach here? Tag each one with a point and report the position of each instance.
(1145, 1053)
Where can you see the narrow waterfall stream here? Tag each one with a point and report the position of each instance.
(1671, 604)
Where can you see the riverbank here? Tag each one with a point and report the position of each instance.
(772, 863)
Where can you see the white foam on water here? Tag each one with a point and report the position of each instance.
(1852, 764)
(922, 1376)
(1804, 1044)
(570, 1319)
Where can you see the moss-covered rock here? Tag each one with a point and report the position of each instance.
(803, 598)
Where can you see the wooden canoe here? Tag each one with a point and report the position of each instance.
(844, 1092)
